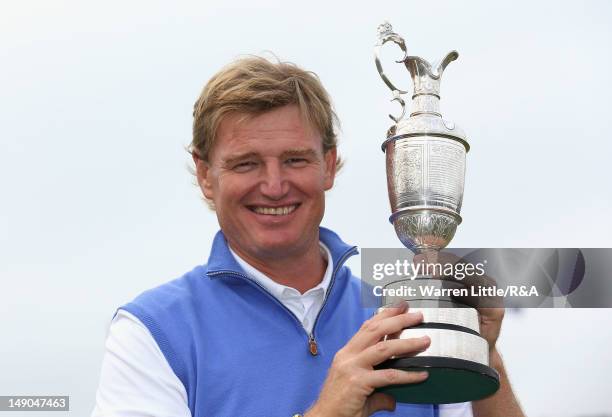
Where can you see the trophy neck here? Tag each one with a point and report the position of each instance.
(425, 104)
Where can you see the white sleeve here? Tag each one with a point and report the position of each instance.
(456, 410)
(136, 379)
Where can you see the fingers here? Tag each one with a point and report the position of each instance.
(390, 376)
(384, 350)
(393, 310)
(481, 293)
(376, 328)
(351, 378)
(481, 287)
(491, 314)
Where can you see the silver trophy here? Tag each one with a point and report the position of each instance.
(425, 158)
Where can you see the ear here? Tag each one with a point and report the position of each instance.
(331, 157)
(204, 175)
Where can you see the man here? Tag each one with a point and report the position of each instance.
(272, 324)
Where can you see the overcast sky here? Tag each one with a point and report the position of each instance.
(98, 205)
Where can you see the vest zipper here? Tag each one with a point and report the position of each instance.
(312, 344)
(313, 348)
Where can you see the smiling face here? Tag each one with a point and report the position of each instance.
(267, 176)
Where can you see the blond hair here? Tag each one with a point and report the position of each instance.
(253, 85)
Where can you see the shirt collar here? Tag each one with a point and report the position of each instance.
(221, 260)
(283, 291)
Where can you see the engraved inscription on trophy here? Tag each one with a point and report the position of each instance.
(446, 168)
(410, 178)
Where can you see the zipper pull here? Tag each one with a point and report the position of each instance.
(312, 346)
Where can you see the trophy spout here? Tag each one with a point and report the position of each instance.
(426, 77)
(450, 57)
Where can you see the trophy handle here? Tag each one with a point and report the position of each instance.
(386, 34)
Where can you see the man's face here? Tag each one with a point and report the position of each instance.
(267, 176)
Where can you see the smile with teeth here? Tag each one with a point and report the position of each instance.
(274, 211)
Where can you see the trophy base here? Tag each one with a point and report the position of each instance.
(450, 380)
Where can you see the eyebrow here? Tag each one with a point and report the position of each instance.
(307, 153)
(310, 153)
(240, 157)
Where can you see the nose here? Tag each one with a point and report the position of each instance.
(274, 185)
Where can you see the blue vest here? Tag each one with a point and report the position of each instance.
(238, 351)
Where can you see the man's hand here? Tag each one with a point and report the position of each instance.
(349, 388)
(490, 325)
(490, 308)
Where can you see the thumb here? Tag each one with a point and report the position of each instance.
(378, 402)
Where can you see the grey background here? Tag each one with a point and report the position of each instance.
(97, 203)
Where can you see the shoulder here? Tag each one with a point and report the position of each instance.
(174, 293)
(171, 313)
(172, 306)
(135, 374)
(369, 301)
(354, 282)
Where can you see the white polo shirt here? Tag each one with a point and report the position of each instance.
(136, 380)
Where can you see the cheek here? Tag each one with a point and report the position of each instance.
(314, 190)
(310, 178)
(232, 187)
(318, 185)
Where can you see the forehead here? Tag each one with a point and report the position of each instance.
(271, 131)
